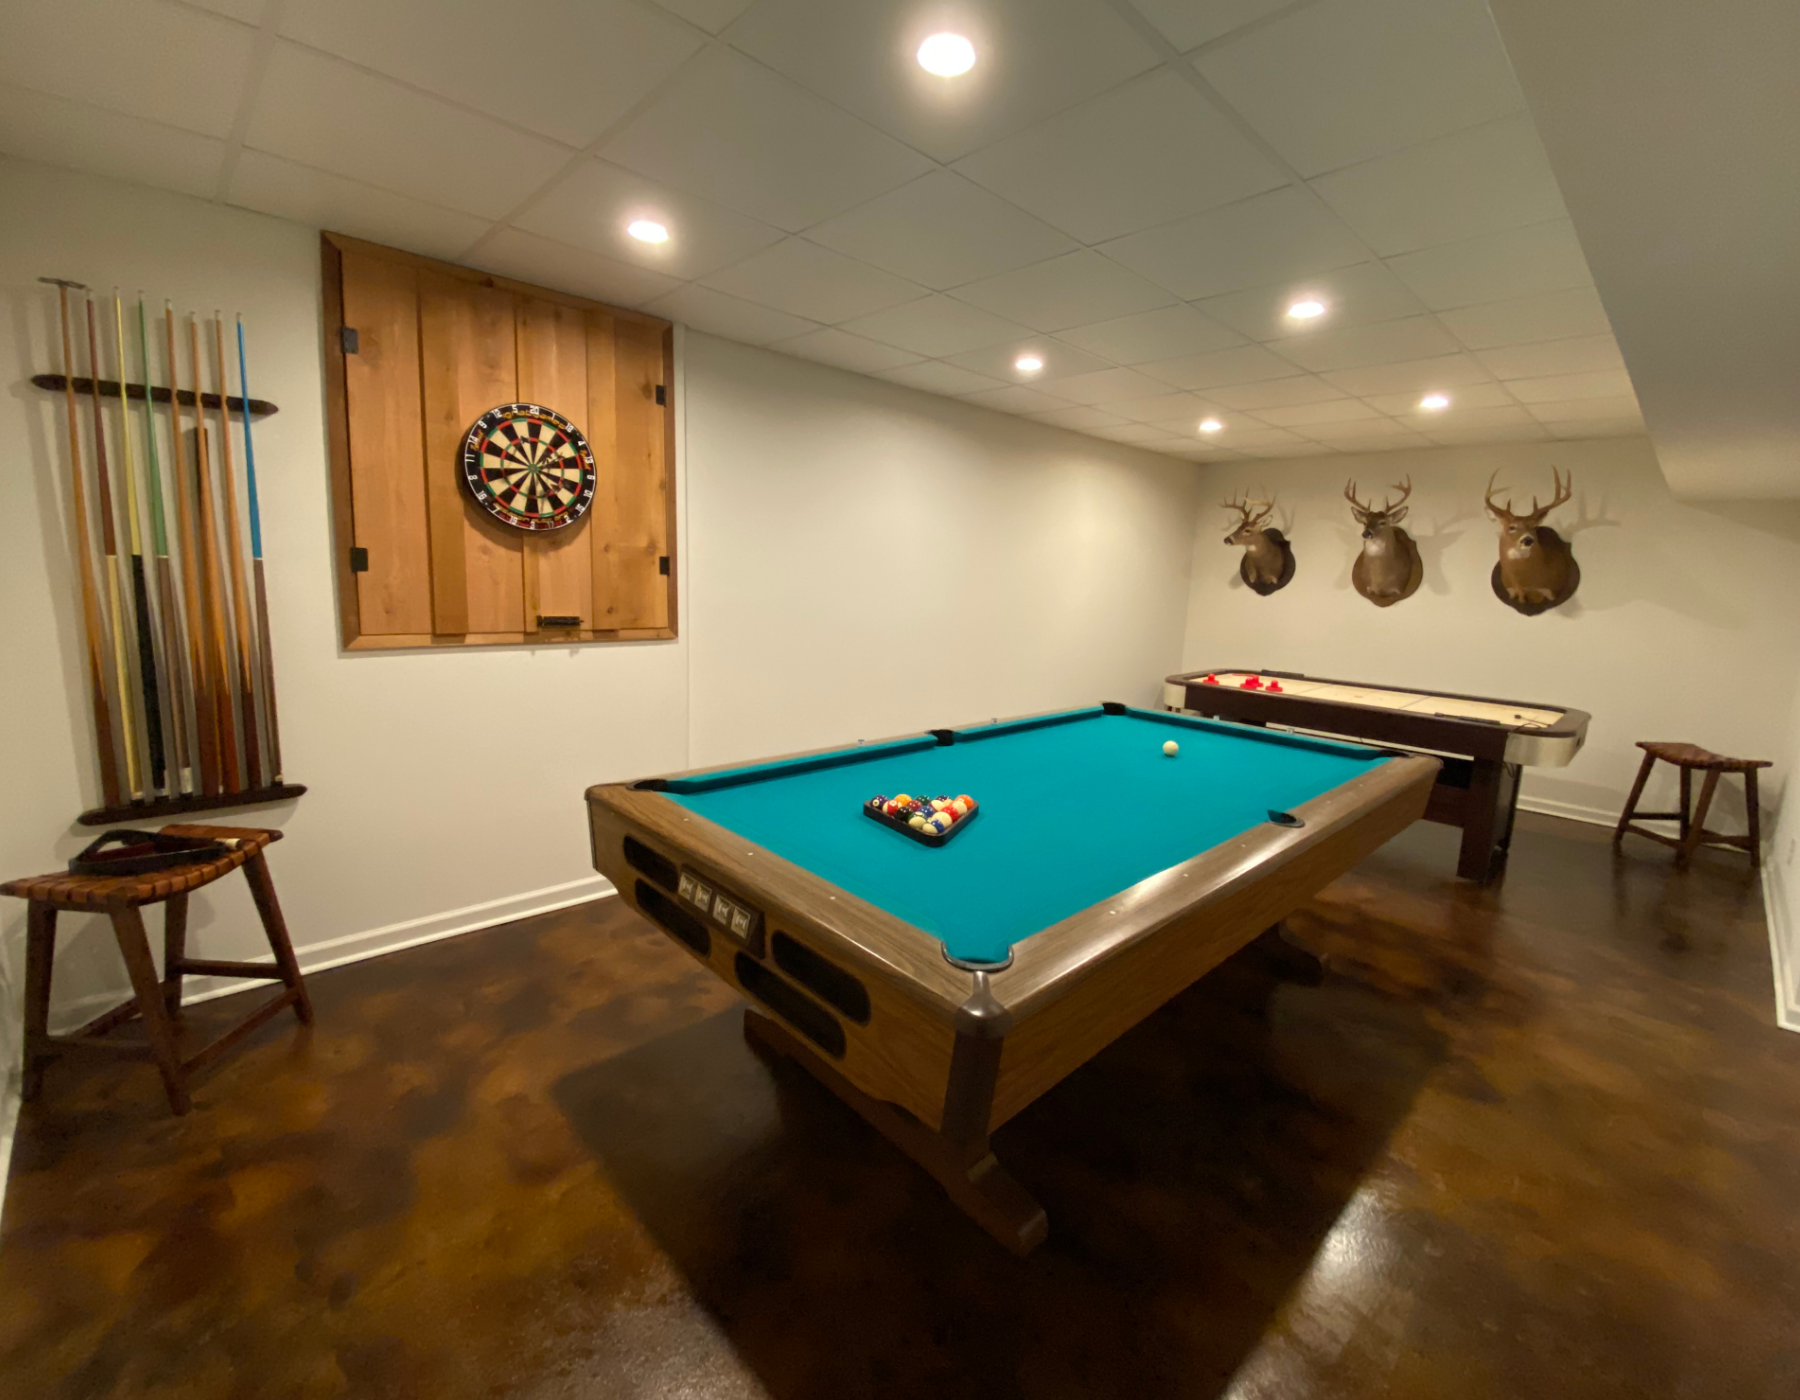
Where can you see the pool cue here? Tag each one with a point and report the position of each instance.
(206, 724)
(84, 558)
(140, 586)
(212, 576)
(175, 729)
(234, 550)
(109, 543)
(267, 655)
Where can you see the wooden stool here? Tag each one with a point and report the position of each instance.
(157, 1002)
(1688, 757)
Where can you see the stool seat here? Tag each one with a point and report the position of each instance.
(157, 1001)
(1693, 756)
(1690, 759)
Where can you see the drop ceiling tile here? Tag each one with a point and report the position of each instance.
(1523, 320)
(1276, 237)
(1353, 296)
(1444, 372)
(1104, 385)
(804, 279)
(1348, 347)
(271, 185)
(1332, 84)
(56, 131)
(1570, 410)
(1371, 434)
(1187, 25)
(1190, 450)
(591, 205)
(153, 59)
(1071, 290)
(1245, 364)
(1246, 435)
(1033, 57)
(941, 230)
(1016, 398)
(1557, 388)
(1145, 153)
(1463, 416)
(1060, 360)
(529, 258)
(1161, 409)
(1082, 420)
(244, 11)
(1303, 448)
(1274, 393)
(324, 113)
(1302, 414)
(566, 69)
(1578, 355)
(731, 131)
(938, 326)
(1595, 428)
(1132, 432)
(935, 377)
(1479, 181)
(1166, 333)
(710, 15)
(1464, 398)
(1515, 262)
(718, 314)
(1453, 435)
(834, 347)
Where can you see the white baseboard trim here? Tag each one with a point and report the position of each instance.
(9, 1122)
(370, 943)
(1550, 807)
(1781, 938)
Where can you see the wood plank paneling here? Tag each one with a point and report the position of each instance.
(469, 341)
(603, 438)
(553, 372)
(381, 302)
(632, 508)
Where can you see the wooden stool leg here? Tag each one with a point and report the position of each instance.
(262, 890)
(175, 912)
(134, 947)
(40, 958)
(1697, 831)
(1753, 809)
(1637, 791)
(1687, 801)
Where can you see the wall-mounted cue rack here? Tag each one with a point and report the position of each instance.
(434, 374)
(181, 670)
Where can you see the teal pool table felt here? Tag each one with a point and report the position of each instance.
(1074, 808)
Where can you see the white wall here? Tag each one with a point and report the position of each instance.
(867, 560)
(1684, 627)
(1781, 886)
(1057, 574)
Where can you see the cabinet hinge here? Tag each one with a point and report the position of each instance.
(662, 396)
(347, 338)
(359, 560)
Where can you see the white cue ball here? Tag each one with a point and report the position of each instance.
(1171, 748)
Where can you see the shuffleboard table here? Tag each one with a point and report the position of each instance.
(1485, 743)
(939, 991)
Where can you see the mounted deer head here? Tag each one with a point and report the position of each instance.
(1536, 571)
(1268, 561)
(1389, 567)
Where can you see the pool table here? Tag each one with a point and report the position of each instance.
(938, 991)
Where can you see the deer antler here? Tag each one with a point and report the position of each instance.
(1565, 490)
(1405, 490)
(1361, 511)
(1244, 508)
(1500, 512)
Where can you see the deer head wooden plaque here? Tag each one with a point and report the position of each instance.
(1537, 570)
(1389, 568)
(1268, 562)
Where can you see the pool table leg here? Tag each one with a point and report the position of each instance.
(968, 1171)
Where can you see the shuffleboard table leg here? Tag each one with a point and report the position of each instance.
(969, 1172)
(1487, 820)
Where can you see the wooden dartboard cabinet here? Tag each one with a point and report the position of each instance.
(416, 351)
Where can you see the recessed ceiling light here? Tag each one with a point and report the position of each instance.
(1210, 425)
(1431, 403)
(1028, 364)
(1306, 309)
(946, 55)
(647, 231)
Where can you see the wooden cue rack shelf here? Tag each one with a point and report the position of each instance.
(416, 351)
(109, 389)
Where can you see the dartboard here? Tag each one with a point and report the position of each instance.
(528, 467)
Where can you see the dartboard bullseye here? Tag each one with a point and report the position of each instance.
(528, 467)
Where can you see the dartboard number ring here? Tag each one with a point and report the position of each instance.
(528, 467)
